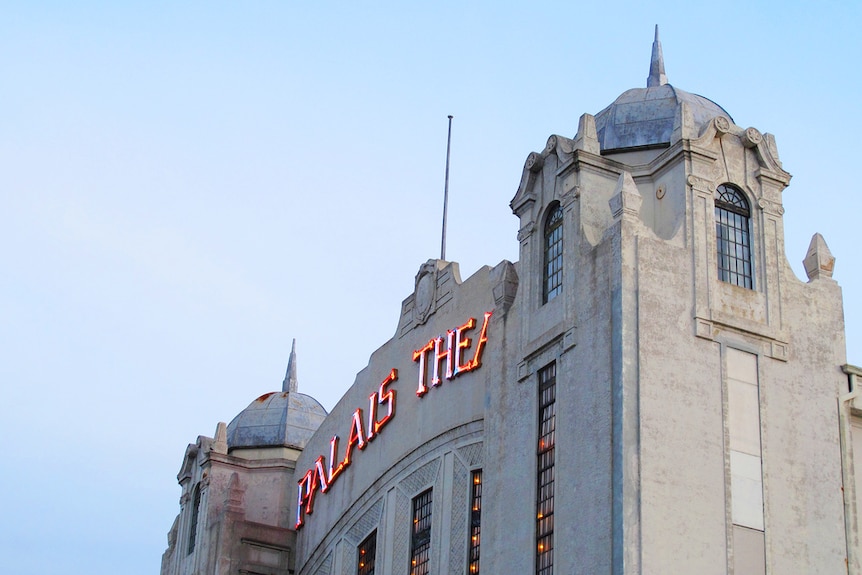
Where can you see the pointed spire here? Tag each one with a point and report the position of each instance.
(290, 384)
(657, 76)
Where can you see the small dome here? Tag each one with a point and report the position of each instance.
(644, 117)
(276, 419)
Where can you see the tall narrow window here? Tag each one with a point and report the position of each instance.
(420, 541)
(545, 472)
(475, 522)
(366, 553)
(193, 524)
(553, 272)
(733, 240)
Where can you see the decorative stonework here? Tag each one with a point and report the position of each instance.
(534, 162)
(325, 567)
(700, 184)
(366, 524)
(425, 292)
(751, 138)
(421, 478)
(526, 231)
(472, 454)
(458, 528)
(402, 533)
(722, 124)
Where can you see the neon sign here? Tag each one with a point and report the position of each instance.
(450, 348)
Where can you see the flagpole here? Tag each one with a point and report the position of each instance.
(446, 191)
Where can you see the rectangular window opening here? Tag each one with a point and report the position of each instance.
(545, 471)
(365, 555)
(420, 540)
(475, 521)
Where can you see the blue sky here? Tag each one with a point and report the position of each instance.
(188, 186)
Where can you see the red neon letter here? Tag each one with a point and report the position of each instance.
(388, 396)
(441, 354)
(462, 344)
(483, 339)
(299, 506)
(357, 436)
(419, 355)
(372, 416)
(321, 475)
(305, 499)
(333, 447)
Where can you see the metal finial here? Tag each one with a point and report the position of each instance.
(657, 76)
(446, 192)
(290, 383)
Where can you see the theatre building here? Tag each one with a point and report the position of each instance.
(648, 390)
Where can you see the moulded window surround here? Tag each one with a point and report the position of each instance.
(733, 236)
(366, 554)
(420, 540)
(552, 272)
(193, 524)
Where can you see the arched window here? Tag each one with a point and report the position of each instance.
(733, 240)
(553, 271)
(193, 524)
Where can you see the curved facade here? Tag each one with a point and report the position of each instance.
(649, 389)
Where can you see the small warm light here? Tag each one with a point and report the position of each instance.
(474, 537)
(541, 547)
(361, 564)
(477, 480)
(540, 515)
(475, 508)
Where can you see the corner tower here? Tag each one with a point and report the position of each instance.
(695, 385)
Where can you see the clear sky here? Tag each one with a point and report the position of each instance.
(187, 186)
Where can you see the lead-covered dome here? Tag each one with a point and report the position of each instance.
(277, 419)
(644, 117)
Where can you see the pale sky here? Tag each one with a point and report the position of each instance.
(188, 186)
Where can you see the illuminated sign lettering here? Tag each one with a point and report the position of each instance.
(449, 349)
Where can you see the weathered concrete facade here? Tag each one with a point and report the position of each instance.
(700, 420)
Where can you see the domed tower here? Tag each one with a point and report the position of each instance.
(235, 506)
(692, 380)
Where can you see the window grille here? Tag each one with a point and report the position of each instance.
(420, 541)
(733, 240)
(475, 521)
(553, 271)
(545, 472)
(366, 553)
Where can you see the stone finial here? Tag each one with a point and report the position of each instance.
(219, 445)
(587, 138)
(290, 383)
(504, 281)
(626, 198)
(657, 76)
(819, 261)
